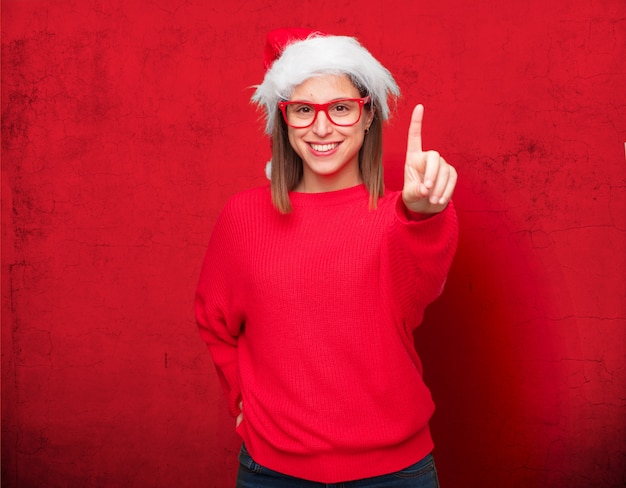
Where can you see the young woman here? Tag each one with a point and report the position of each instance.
(311, 288)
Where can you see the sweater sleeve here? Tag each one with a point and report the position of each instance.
(217, 315)
(416, 258)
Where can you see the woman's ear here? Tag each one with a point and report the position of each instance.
(370, 118)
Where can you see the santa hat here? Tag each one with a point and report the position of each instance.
(294, 55)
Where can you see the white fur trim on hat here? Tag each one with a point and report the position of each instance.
(320, 55)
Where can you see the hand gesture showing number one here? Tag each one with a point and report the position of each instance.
(429, 180)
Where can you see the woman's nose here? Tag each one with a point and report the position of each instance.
(322, 125)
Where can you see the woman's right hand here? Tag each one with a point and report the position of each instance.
(240, 416)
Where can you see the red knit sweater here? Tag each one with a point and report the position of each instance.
(309, 319)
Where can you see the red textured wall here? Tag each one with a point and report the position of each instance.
(125, 127)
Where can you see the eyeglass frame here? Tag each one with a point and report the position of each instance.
(324, 108)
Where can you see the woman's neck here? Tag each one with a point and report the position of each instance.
(315, 183)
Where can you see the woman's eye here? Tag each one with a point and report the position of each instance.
(341, 109)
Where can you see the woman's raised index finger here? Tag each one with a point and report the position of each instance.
(414, 143)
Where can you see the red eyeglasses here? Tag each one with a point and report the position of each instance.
(344, 112)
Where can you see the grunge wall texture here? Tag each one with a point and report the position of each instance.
(125, 127)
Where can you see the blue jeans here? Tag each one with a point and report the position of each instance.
(252, 475)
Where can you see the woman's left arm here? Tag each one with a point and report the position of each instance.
(420, 246)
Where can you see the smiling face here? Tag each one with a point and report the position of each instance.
(330, 153)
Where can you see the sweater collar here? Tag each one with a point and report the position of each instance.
(338, 197)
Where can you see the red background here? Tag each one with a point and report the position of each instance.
(126, 126)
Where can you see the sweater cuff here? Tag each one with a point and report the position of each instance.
(407, 215)
(228, 374)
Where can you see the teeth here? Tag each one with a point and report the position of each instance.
(324, 147)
